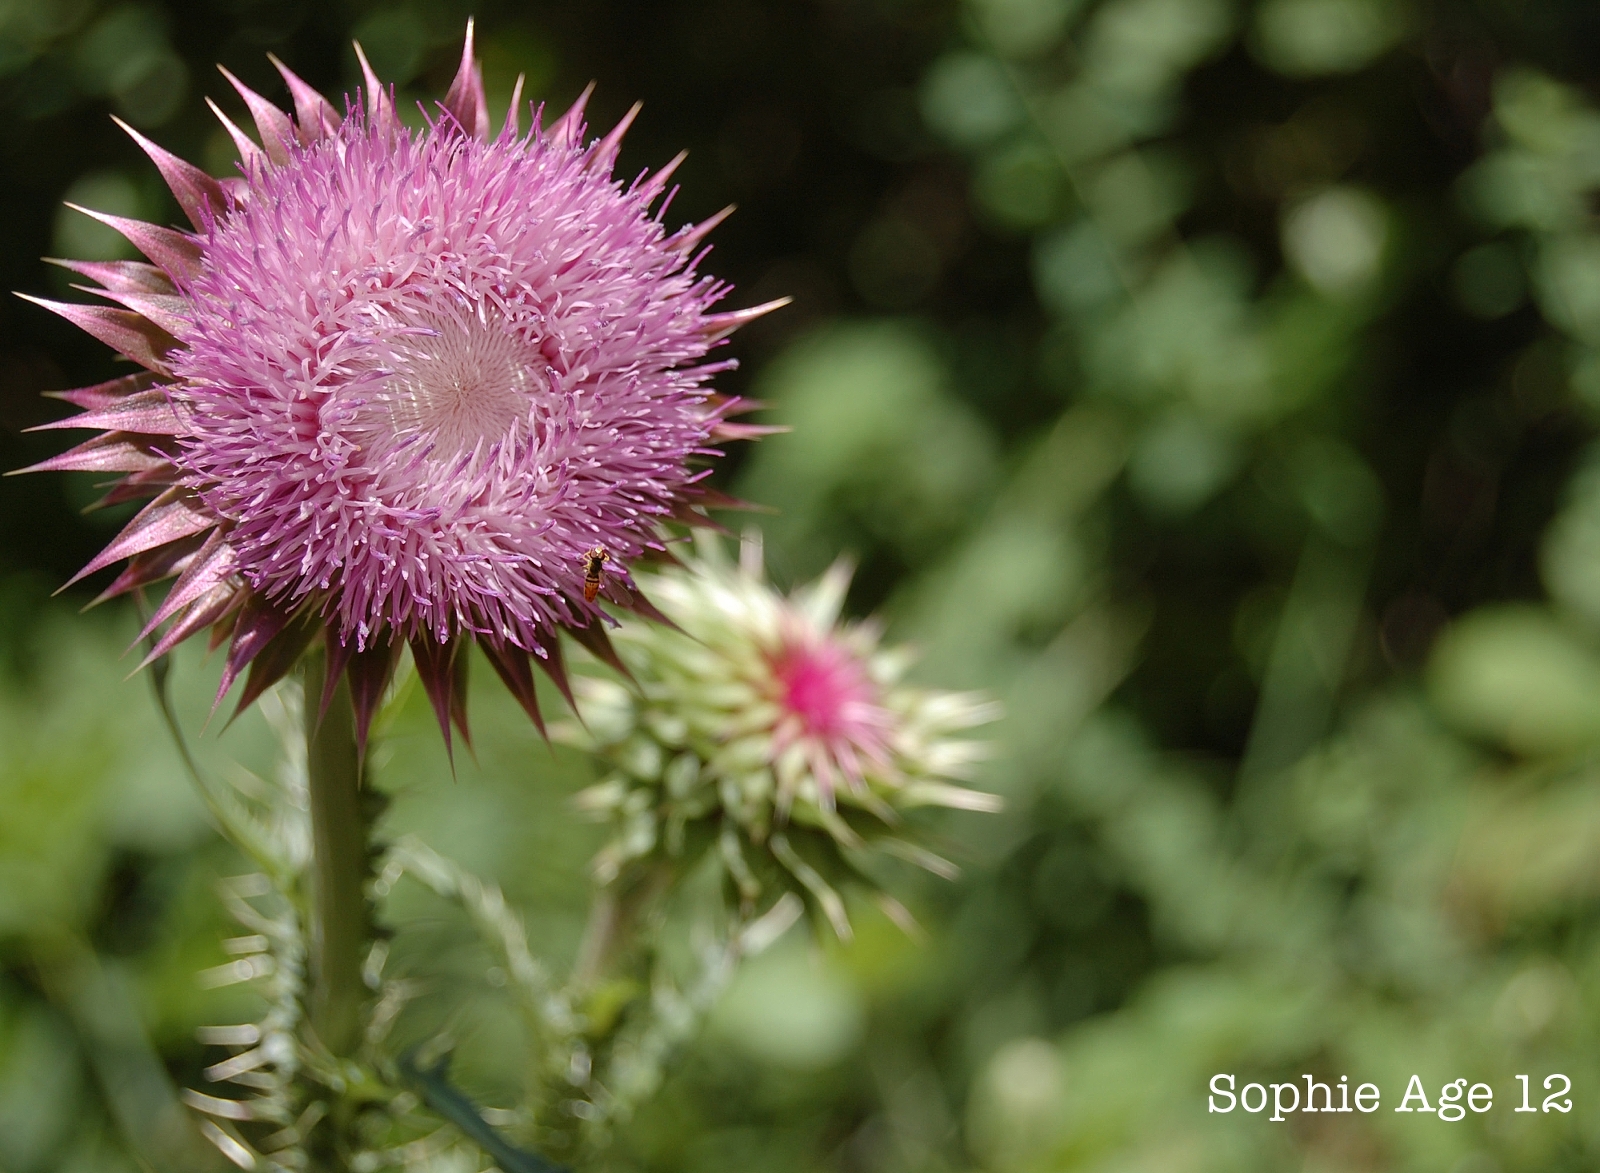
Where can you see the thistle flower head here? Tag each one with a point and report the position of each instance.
(766, 726)
(398, 385)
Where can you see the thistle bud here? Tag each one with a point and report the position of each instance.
(767, 730)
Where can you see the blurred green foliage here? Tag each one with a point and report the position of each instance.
(1214, 381)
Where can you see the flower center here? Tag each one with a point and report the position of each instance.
(824, 687)
(463, 385)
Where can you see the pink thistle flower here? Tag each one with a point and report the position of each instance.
(769, 729)
(828, 704)
(401, 387)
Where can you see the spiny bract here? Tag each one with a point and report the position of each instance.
(398, 383)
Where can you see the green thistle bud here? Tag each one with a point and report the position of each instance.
(765, 729)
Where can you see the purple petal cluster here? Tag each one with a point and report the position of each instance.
(402, 387)
(423, 375)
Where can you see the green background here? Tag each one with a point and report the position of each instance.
(1214, 382)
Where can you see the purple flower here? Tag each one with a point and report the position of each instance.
(403, 386)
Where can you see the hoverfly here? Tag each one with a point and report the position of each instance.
(594, 564)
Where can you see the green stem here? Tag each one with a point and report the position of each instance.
(341, 921)
(613, 919)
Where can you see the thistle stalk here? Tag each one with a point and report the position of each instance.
(341, 922)
(614, 917)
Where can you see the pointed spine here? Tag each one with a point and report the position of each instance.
(138, 486)
(718, 326)
(257, 626)
(691, 512)
(634, 600)
(214, 562)
(650, 188)
(166, 311)
(147, 413)
(151, 567)
(314, 115)
(603, 155)
(565, 131)
(113, 452)
(199, 195)
(274, 661)
(252, 156)
(511, 127)
(436, 668)
(107, 394)
(272, 124)
(222, 626)
(458, 692)
(120, 276)
(552, 661)
(380, 106)
(723, 430)
(598, 644)
(369, 672)
(173, 515)
(465, 99)
(511, 665)
(689, 236)
(216, 606)
(716, 499)
(129, 334)
(177, 253)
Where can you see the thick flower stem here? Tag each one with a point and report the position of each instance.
(341, 921)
